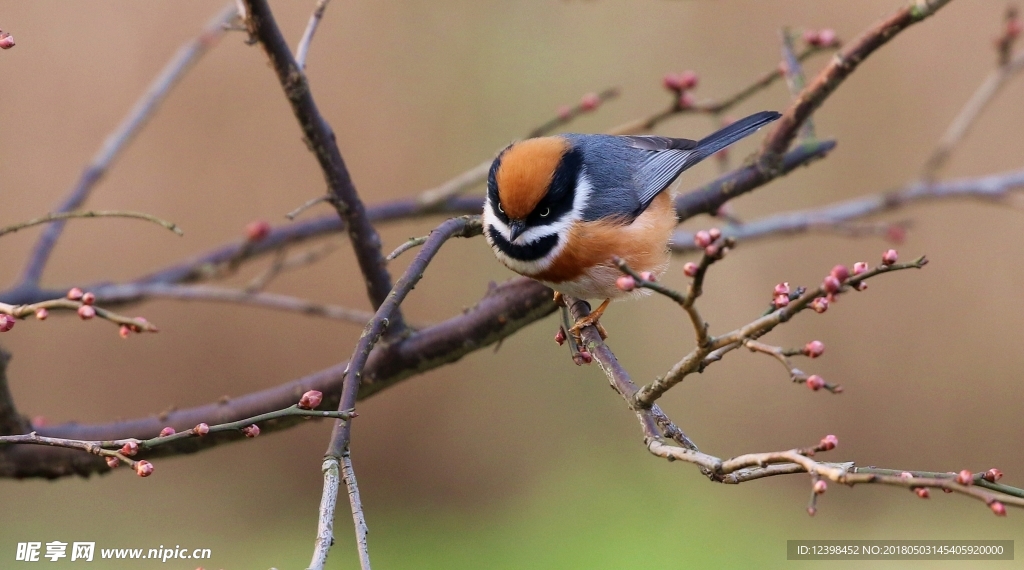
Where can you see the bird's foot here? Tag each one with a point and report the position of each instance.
(588, 320)
(559, 299)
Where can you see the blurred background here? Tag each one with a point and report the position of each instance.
(514, 458)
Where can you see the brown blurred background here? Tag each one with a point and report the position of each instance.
(512, 459)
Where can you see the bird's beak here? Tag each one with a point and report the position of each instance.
(516, 229)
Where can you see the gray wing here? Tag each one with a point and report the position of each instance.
(665, 158)
(661, 162)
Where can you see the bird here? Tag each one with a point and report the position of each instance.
(560, 208)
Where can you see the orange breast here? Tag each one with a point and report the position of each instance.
(642, 244)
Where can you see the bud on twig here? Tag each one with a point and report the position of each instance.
(560, 336)
(829, 442)
(625, 283)
(86, 312)
(590, 101)
(965, 477)
(130, 448)
(251, 431)
(992, 475)
(201, 429)
(814, 349)
(42, 313)
(6, 40)
(690, 269)
(998, 508)
(820, 487)
(75, 294)
(820, 305)
(859, 267)
(815, 382)
(311, 399)
(922, 492)
(167, 431)
(702, 239)
(889, 257)
(144, 468)
(112, 461)
(257, 230)
(88, 298)
(6, 322)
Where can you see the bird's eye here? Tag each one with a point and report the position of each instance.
(500, 209)
(545, 213)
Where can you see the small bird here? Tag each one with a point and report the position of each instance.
(559, 208)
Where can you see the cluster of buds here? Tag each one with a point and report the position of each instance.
(681, 84)
(711, 242)
(823, 38)
(780, 295)
(6, 40)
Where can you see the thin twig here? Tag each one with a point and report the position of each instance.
(406, 246)
(794, 73)
(321, 141)
(209, 293)
(307, 205)
(302, 50)
(60, 216)
(973, 109)
(349, 475)
(325, 520)
(992, 188)
(838, 69)
(144, 108)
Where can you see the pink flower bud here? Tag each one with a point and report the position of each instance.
(829, 442)
(673, 81)
(6, 323)
(6, 41)
(112, 461)
(251, 431)
(815, 382)
(715, 233)
(820, 487)
(565, 112)
(167, 431)
(702, 239)
(257, 230)
(125, 331)
(840, 272)
(201, 429)
(859, 267)
(814, 348)
(690, 269)
(782, 288)
(993, 475)
(812, 37)
(906, 475)
(586, 357)
(860, 285)
(130, 448)
(88, 298)
(827, 38)
(965, 477)
(590, 101)
(144, 468)
(889, 257)
(311, 399)
(922, 492)
(820, 305)
(42, 313)
(648, 276)
(781, 301)
(689, 79)
(945, 490)
(560, 336)
(831, 284)
(86, 312)
(998, 508)
(811, 511)
(625, 283)
(686, 100)
(1013, 29)
(75, 294)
